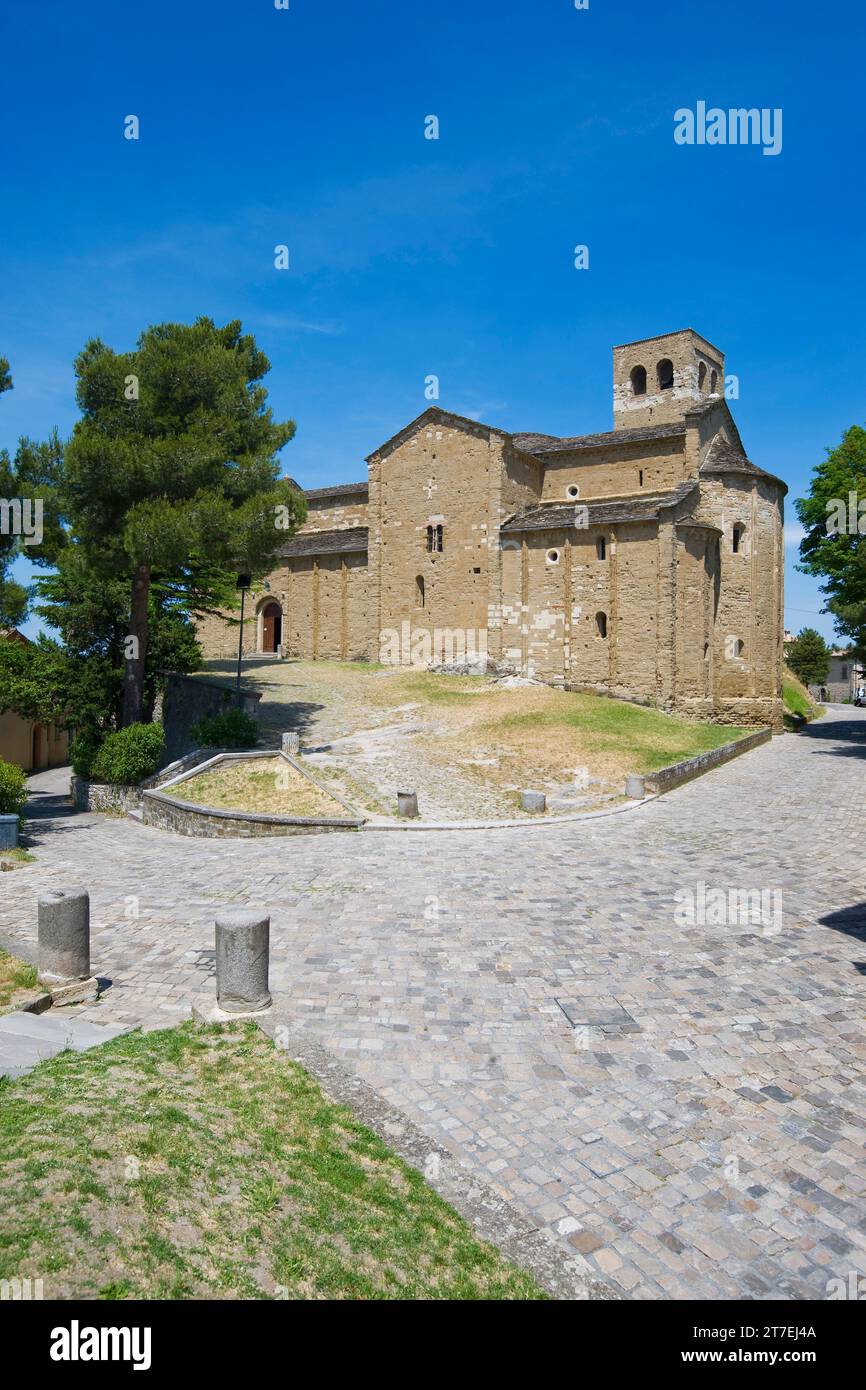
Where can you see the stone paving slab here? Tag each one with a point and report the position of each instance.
(28, 1039)
(711, 1148)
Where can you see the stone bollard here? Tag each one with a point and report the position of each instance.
(64, 936)
(291, 743)
(8, 832)
(533, 801)
(635, 787)
(242, 952)
(407, 804)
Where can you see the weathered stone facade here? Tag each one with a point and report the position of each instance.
(646, 562)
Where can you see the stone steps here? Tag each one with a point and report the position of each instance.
(28, 1039)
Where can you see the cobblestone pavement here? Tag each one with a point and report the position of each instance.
(681, 1102)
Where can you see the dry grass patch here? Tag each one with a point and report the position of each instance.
(536, 732)
(15, 975)
(264, 786)
(204, 1163)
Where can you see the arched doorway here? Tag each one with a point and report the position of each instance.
(272, 627)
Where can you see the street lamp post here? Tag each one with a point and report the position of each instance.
(243, 583)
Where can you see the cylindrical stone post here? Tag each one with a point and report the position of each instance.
(635, 787)
(407, 804)
(242, 955)
(64, 935)
(533, 801)
(291, 743)
(8, 832)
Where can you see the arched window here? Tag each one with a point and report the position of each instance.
(434, 539)
(601, 548)
(420, 593)
(638, 381)
(702, 376)
(714, 381)
(738, 533)
(665, 370)
(601, 624)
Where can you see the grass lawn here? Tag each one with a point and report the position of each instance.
(14, 975)
(269, 786)
(15, 858)
(201, 1162)
(536, 729)
(797, 701)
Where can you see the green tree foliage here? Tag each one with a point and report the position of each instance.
(13, 789)
(809, 657)
(170, 480)
(130, 754)
(233, 728)
(834, 547)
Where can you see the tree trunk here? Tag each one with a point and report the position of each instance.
(133, 675)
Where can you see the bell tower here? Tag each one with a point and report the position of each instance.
(656, 380)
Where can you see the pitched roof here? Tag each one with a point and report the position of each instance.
(604, 511)
(338, 490)
(350, 540)
(549, 444)
(723, 457)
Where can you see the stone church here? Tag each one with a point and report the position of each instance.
(645, 562)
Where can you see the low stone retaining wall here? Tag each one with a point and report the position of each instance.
(185, 819)
(167, 809)
(111, 796)
(104, 796)
(668, 777)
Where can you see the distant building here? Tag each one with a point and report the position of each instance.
(844, 678)
(27, 742)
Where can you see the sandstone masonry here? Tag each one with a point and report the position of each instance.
(645, 562)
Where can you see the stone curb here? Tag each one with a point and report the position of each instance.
(666, 778)
(491, 1215)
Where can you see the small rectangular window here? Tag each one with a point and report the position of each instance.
(434, 539)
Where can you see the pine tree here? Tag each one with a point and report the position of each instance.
(809, 657)
(170, 480)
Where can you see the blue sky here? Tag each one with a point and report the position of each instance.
(409, 256)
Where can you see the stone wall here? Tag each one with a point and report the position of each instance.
(335, 513)
(188, 699)
(325, 615)
(615, 470)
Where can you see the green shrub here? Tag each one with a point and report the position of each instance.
(130, 755)
(13, 789)
(85, 747)
(232, 729)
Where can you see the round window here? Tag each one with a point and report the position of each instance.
(572, 491)
(553, 557)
